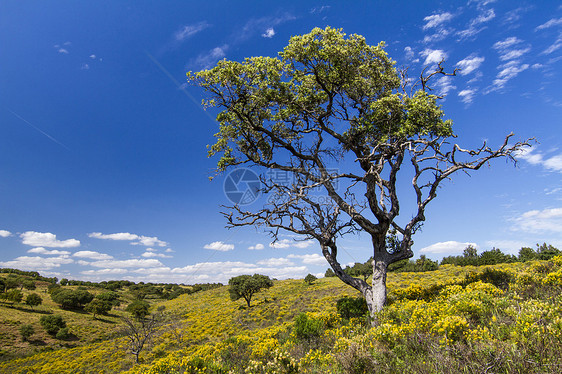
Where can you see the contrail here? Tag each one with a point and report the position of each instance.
(37, 128)
(178, 85)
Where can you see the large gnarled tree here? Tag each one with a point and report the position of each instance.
(334, 112)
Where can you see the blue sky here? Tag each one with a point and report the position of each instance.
(103, 163)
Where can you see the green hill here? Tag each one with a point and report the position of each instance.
(456, 319)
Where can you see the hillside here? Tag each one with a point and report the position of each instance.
(441, 321)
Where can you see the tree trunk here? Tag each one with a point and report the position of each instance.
(375, 296)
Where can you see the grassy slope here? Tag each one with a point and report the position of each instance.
(194, 320)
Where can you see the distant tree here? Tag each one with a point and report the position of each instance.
(28, 284)
(63, 282)
(110, 296)
(329, 273)
(309, 279)
(335, 114)
(494, 256)
(71, 299)
(363, 270)
(245, 286)
(12, 282)
(527, 254)
(98, 306)
(13, 296)
(52, 323)
(33, 299)
(546, 252)
(26, 331)
(138, 309)
(140, 332)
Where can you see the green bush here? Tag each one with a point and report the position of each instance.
(352, 307)
(26, 331)
(498, 278)
(307, 328)
(63, 334)
(52, 323)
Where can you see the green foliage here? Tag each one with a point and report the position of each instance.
(352, 307)
(329, 273)
(69, 299)
(98, 306)
(26, 331)
(52, 323)
(138, 309)
(421, 264)
(245, 286)
(63, 334)
(33, 299)
(307, 328)
(498, 278)
(309, 279)
(13, 296)
(109, 296)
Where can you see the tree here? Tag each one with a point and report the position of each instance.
(138, 309)
(335, 114)
(98, 306)
(26, 331)
(33, 300)
(245, 286)
(69, 299)
(52, 323)
(14, 296)
(139, 333)
(309, 279)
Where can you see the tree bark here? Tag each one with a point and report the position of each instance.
(376, 295)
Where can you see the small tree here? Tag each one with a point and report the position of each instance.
(309, 279)
(26, 331)
(33, 299)
(335, 113)
(139, 333)
(138, 309)
(52, 323)
(98, 306)
(14, 296)
(245, 286)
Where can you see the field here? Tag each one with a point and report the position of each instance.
(503, 318)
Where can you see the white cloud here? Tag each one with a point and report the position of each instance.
(276, 262)
(469, 64)
(467, 96)
(256, 25)
(93, 57)
(154, 254)
(63, 51)
(169, 250)
(189, 30)
(269, 33)
(540, 221)
(408, 53)
(43, 251)
(257, 247)
(138, 239)
(474, 26)
(447, 248)
(437, 36)
(104, 272)
(116, 236)
(507, 48)
(5, 233)
(433, 56)
(444, 84)
(85, 67)
(36, 263)
(507, 72)
(554, 47)
(552, 22)
(311, 259)
(46, 239)
(219, 246)
(92, 255)
(133, 263)
(551, 163)
(286, 243)
(206, 60)
(436, 20)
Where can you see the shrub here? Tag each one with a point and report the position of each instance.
(52, 323)
(63, 334)
(33, 300)
(307, 328)
(498, 278)
(69, 299)
(352, 307)
(309, 279)
(138, 309)
(26, 331)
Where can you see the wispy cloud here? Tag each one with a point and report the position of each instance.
(37, 263)
(188, 31)
(43, 251)
(287, 243)
(219, 246)
(510, 48)
(148, 241)
(208, 59)
(469, 64)
(433, 56)
(444, 84)
(539, 221)
(507, 72)
(467, 95)
(276, 262)
(551, 23)
(554, 47)
(5, 233)
(261, 25)
(551, 163)
(475, 25)
(257, 247)
(311, 259)
(450, 247)
(46, 239)
(436, 20)
(269, 33)
(93, 255)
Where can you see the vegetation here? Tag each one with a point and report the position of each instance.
(329, 100)
(52, 323)
(245, 286)
(309, 279)
(33, 299)
(138, 309)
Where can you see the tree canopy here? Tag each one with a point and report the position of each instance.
(245, 286)
(336, 114)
